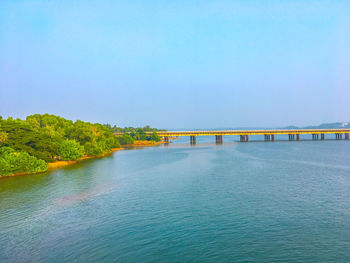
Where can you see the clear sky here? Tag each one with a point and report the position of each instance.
(177, 64)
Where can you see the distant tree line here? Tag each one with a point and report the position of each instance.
(130, 134)
(28, 145)
(147, 128)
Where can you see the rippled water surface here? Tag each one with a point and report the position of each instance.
(236, 202)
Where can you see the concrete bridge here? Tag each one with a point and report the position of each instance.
(269, 135)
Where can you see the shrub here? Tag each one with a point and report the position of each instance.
(125, 139)
(154, 137)
(70, 150)
(12, 162)
(93, 149)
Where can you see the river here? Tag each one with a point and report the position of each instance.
(235, 202)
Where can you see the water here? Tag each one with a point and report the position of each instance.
(236, 202)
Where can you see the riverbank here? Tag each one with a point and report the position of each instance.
(61, 164)
(143, 144)
(136, 144)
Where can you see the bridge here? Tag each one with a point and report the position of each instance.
(269, 135)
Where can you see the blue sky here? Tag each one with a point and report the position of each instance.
(177, 64)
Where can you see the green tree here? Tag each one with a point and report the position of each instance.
(41, 138)
(12, 162)
(154, 137)
(141, 134)
(22, 137)
(93, 149)
(125, 139)
(70, 150)
(3, 137)
(113, 142)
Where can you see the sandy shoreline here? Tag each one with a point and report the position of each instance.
(61, 164)
(143, 144)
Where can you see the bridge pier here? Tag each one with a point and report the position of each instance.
(244, 138)
(291, 137)
(218, 139)
(193, 139)
(298, 137)
(269, 137)
(338, 136)
(166, 139)
(346, 136)
(322, 136)
(315, 137)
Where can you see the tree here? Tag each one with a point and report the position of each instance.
(112, 142)
(70, 150)
(141, 134)
(154, 137)
(40, 138)
(125, 139)
(12, 162)
(3, 137)
(22, 137)
(93, 149)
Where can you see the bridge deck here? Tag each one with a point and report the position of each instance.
(252, 132)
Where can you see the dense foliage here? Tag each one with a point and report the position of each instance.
(3, 137)
(131, 129)
(23, 137)
(70, 150)
(130, 134)
(12, 162)
(125, 139)
(26, 145)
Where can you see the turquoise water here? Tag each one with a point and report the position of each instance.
(236, 202)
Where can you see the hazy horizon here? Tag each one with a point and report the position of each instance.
(198, 128)
(181, 65)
